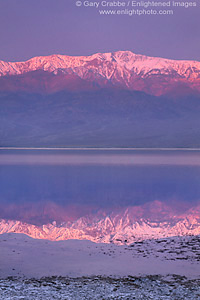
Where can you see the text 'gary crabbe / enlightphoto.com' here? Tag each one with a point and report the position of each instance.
(137, 8)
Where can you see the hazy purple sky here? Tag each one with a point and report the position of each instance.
(42, 27)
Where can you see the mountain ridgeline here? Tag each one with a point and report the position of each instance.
(123, 226)
(105, 100)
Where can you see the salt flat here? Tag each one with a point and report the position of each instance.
(167, 268)
(97, 287)
(22, 256)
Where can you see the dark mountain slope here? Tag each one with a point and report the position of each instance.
(98, 118)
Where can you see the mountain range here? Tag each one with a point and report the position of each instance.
(122, 226)
(122, 69)
(118, 99)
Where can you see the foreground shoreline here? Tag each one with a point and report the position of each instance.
(98, 287)
(76, 269)
(22, 256)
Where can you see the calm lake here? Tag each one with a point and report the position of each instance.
(31, 179)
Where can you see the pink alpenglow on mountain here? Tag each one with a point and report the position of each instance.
(122, 69)
(122, 226)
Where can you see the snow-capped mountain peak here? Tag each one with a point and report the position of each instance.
(123, 69)
(129, 60)
(127, 225)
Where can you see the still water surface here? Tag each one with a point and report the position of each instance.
(100, 179)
